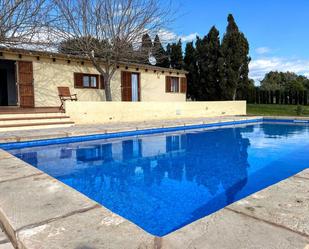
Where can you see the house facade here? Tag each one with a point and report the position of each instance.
(30, 79)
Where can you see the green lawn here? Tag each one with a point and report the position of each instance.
(276, 110)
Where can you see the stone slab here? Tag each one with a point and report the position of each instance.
(3, 237)
(5, 155)
(6, 246)
(304, 174)
(227, 229)
(285, 204)
(13, 168)
(32, 200)
(95, 229)
(4, 241)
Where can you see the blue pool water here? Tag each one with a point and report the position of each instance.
(162, 182)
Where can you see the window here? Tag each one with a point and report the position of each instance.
(174, 85)
(88, 81)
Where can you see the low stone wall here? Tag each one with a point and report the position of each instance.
(104, 112)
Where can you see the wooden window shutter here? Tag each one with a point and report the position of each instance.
(102, 86)
(183, 85)
(168, 84)
(25, 77)
(126, 86)
(78, 80)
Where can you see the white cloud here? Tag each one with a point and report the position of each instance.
(189, 38)
(259, 67)
(262, 50)
(169, 36)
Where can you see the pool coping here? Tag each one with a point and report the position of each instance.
(124, 133)
(38, 234)
(134, 129)
(107, 130)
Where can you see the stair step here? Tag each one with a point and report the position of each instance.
(36, 124)
(31, 115)
(33, 118)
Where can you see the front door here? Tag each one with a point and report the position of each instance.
(130, 86)
(3, 87)
(25, 82)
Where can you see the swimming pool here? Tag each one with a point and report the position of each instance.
(164, 181)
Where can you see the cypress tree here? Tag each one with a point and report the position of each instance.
(201, 59)
(176, 57)
(160, 54)
(146, 48)
(190, 64)
(212, 61)
(235, 49)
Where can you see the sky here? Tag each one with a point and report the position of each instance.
(277, 30)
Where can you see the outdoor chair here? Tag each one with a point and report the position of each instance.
(64, 95)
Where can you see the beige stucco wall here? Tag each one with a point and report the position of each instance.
(104, 112)
(49, 74)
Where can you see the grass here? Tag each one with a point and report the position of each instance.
(276, 110)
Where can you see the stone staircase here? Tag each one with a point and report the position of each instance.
(28, 121)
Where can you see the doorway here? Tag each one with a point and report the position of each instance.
(8, 89)
(135, 87)
(130, 87)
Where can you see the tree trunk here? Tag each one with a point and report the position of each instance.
(108, 92)
(107, 74)
(234, 94)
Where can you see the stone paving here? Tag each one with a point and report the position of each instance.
(79, 130)
(4, 241)
(39, 212)
(276, 217)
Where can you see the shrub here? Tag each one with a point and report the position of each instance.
(299, 110)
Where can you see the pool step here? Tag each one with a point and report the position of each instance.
(28, 121)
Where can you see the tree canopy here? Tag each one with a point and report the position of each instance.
(174, 51)
(284, 81)
(190, 64)
(219, 70)
(90, 23)
(22, 21)
(235, 50)
(160, 54)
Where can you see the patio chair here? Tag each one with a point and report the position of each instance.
(64, 95)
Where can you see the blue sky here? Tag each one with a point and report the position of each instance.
(277, 30)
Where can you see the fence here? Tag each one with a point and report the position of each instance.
(257, 96)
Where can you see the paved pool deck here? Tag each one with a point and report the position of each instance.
(81, 130)
(38, 212)
(5, 243)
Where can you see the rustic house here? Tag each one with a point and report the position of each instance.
(31, 78)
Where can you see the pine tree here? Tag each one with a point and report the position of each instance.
(160, 54)
(176, 57)
(190, 64)
(235, 49)
(146, 48)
